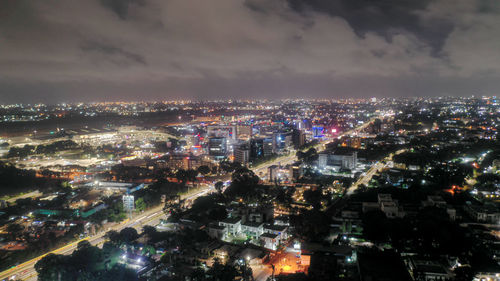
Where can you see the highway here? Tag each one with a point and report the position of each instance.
(26, 270)
(367, 176)
(32, 194)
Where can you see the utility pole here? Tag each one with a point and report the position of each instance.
(272, 275)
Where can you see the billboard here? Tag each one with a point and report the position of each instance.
(318, 131)
(128, 202)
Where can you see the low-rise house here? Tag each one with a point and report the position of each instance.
(452, 213)
(217, 231)
(270, 241)
(428, 270)
(233, 225)
(370, 206)
(225, 253)
(250, 255)
(253, 229)
(390, 209)
(436, 201)
(282, 220)
(280, 230)
(350, 214)
(483, 213)
(386, 204)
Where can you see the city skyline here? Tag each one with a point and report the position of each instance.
(399, 189)
(113, 50)
(252, 140)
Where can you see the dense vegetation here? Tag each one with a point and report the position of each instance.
(14, 180)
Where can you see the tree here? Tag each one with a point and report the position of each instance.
(191, 175)
(83, 245)
(113, 236)
(181, 175)
(148, 250)
(313, 197)
(207, 207)
(204, 169)
(229, 167)
(244, 183)
(140, 205)
(463, 273)
(128, 234)
(244, 176)
(48, 268)
(312, 225)
(375, 226)
(310, 155)
(87, 258)
(222, 272)
(14, 229)
(215, 170)
(149, 231)
(84, 264)
(218, 186)
(21, 151)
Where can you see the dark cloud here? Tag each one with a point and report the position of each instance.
(121, 7)
(384, 17)
(113, 54)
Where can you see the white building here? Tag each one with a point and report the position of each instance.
(386, 204)
(222, 131)
(252, 229)
(338, 160)
(269, 241)
(280, 230)
(232, 225)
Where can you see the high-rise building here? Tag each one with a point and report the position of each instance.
(318, 131)
(273, 173)
(298, 138)
(217, 146)
(244, 131)
(222, 131)
(242, 154)
(268, 146)
(281, 140)
(261, 147)
(256, 148)
(300, 125)
(295, 171)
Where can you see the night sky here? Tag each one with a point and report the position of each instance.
(117, 50)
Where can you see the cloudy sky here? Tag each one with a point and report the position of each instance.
(71, 50)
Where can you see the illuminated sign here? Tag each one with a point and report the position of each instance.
(128, 202)
(318, 132)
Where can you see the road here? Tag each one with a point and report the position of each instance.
(367, 176)
(261, 272)
(32, 194)
(26, 270)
